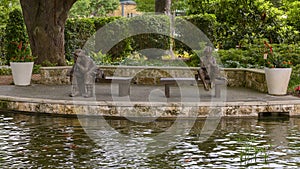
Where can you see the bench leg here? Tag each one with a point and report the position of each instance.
(167, 90)
(124, 89)
(218, 91)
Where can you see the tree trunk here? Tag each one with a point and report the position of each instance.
(45, 22)
(163, 6)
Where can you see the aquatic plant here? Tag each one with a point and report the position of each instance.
(251, 151)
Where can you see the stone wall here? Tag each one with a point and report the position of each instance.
(255, 79)
(250, 78)
(146, 75)
(144, 109)
(54, 75)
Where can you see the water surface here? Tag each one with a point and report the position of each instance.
(43, 141)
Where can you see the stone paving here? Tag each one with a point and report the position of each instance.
(139, 93)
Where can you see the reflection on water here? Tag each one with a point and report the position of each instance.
(41, 141)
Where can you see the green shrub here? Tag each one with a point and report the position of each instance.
(251, 56)
(157, 30)
(205, 22)
(102, 21)
(5, 71)
(101, 59)
(295, 78)
(237, 58)
(36, 69)
(15, 32)
(2, 49)
(77, 32)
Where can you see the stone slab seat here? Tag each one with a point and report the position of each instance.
(190, 81)
(122, 82)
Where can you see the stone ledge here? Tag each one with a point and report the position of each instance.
(260, 71)
(147, 109)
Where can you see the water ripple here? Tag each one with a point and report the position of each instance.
(30, 141)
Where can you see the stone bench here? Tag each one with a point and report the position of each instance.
(122, 82)
(190, 81)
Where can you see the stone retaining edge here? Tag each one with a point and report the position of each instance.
(146, 109)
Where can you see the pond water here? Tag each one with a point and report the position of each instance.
(43, 141)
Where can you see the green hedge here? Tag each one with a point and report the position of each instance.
(77, 31)
(205, 22)
(158, 36)
(15, 32)
(252, 55)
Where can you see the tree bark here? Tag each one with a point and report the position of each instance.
(163, 6)
(45, 21)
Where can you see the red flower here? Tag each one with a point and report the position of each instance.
(22, 53)
(268, 46)
(274, 59)
(271, 49)
(20, 45)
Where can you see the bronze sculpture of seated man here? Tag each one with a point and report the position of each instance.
(209, 69)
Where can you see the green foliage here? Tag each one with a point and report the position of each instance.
(239, 21)
(157, 36)
(93, 8)
(99, 22)
(22, 52)
(204, 22)
(237, 58)
(293, 14)
(47, 63)
(153, 62)
(121, 49)
(145, 5)
(36, 69)
(295, 79)
(149, 5)
(77, 32)
(15, 32)
(5, 71)
(251, 56)
(193, 61)
(6, 6)
(2, 61)
(159, 39)
(101, 59)
(115, 33)
(179, 5)
(249, 151)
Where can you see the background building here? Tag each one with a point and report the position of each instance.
(127, 8)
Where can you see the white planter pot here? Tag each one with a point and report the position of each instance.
(278, 80)
(21, 72)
